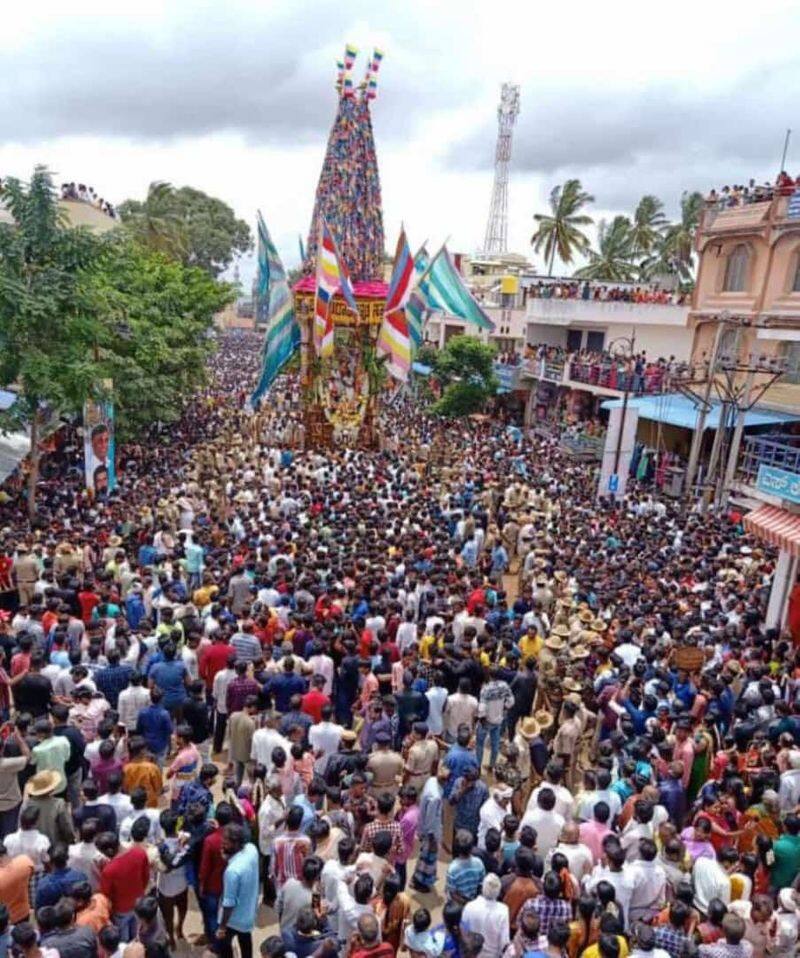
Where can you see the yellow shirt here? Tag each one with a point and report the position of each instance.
(593, 951)
(530, 646)
(427, 645)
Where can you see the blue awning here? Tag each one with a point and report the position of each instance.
(7, 399)
(674, 409)
(422, 369)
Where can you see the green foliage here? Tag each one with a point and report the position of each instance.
(649, 223)
(187, 225)
(77, 309)
(49, 319)
(613, 262)
(155, 345)
(560, 232)
(426, 355)
(461, 399)
(465, 368)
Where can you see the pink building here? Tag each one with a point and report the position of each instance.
(746, 311)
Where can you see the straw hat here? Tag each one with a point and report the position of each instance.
(43, 783)
(579, 652)
(560, 630)
(114, 541)
(574, 698)
(555, 643)
(529, 727)
(571, 685)
(599, 625)
(543, 719)
(586, 616)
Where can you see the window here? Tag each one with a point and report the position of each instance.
(595, 341)
(736, 270)
(796, 283)
(574, 340)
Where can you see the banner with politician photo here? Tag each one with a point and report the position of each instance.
(98, 446)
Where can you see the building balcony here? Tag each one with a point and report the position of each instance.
(606, 377)
(567, 312)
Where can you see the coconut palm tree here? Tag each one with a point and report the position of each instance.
(155, 223)
(649, 223)
(560, 230)
(679, 237)
(613, 260)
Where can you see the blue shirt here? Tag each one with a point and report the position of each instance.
(134, 609)
(111, 680)
(309, 812)
(282, 687)
(55, 884)
(240, 888)
(194, 557)
(457, 760)
(155, 727)
(169, 677)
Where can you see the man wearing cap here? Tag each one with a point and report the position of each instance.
(54, 818)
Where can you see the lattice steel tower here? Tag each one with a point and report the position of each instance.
(496, 239)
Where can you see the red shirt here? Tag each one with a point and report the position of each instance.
(313, 702)
(5, 573)
(87, 601)
(212, 864)
(214, 659)
(20, 662)
(125, 879)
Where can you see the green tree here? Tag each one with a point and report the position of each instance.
(612, 262)
(679, 238)
(560, 230)
(466, 371)
(188, 225)
(649, 223)
(155, 223)
(50, 319)
(155, 344)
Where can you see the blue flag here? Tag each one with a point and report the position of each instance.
(273, 307)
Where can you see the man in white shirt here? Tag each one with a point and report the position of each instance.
(618, 874)
(488, 917)
(321, 664)
(265, 740)
(545, 819)
(578, 855)
(565, 802)
(324, 737)
(789, 789)
(271, 814)
(132, 700)
(461, 709)
(493, 811)
(711, 878)
(649, 883)
(406, 632)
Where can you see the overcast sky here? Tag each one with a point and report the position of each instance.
(236, 98)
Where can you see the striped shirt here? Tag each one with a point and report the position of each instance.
(396, 832)
(464, 877)
(289, 851)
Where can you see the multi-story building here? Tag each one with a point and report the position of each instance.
(745, 321)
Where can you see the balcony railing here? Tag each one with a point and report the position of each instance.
(778, 451)
(609, 375)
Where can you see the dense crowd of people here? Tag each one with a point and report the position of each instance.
(741, 195)
(604, 292)
(317, 695)
(87, 194)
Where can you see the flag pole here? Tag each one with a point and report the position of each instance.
(785, 151)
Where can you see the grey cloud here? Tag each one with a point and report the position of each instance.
(270, 79)
(660, 139)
